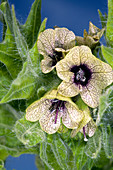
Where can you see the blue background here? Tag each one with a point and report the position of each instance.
(73, 14)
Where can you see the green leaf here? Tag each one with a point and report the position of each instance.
(39, 163)
(28, 81)
(31, 28)
(88, 165)
(12, 64)
(5, 81)
(108, 54)
(105, 113)
(43, 25)
(1, 16)
(80, 156)
(47, 155)
(3, 154)
(94, 145)
(4, 1)
(31, 79)
(8, 51)
(5, 8)
(6, 17)
(22, 87)
(105, 120)
(19, 39)
(107, 134)
(109, 30)
(103, 18)
(102, 161)
(9, 144)
(56, 154)
(29, 133)
(8, 141)
(78, 147)
(1, 164)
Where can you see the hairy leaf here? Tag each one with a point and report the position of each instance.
(3, 154)
(103, 18)
(5, 81)
(78, 147)
(39, 163)
(107, 134)
(80, 156)
(29, 133)
(22, 87)
(19, 39)
(56, 154)
(1, 164)
(9, 144)
(101, 161)
(108, 54)
(105, 113)
(8, 51)
(109, 30)
(6, 12)
(31, 78)
(94, 145)
(31, 28)
(1, 16)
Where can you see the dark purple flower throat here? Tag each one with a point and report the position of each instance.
(56, 106)
(82, 74)
(57, 56)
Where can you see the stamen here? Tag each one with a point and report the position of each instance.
(85, 139)
(56, 115)
(56, 106)
(80, 75)
(57, 109)
(56, 56)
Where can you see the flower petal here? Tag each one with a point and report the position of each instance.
(75, 114)
(85, 55)
(64, 38)
(100, 67)
(47, 122)
(67, 121)
(73, 56)
(103, 79)
(71, 115)
(91, 93)
(37, 109)
(68, 89)
(63, 67)
(93, 63)
(46, 65)
(46, 42)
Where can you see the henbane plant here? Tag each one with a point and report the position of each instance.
(56, 92)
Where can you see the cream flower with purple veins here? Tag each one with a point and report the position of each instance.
(83, 73)
(53, 44)
(50, 109)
